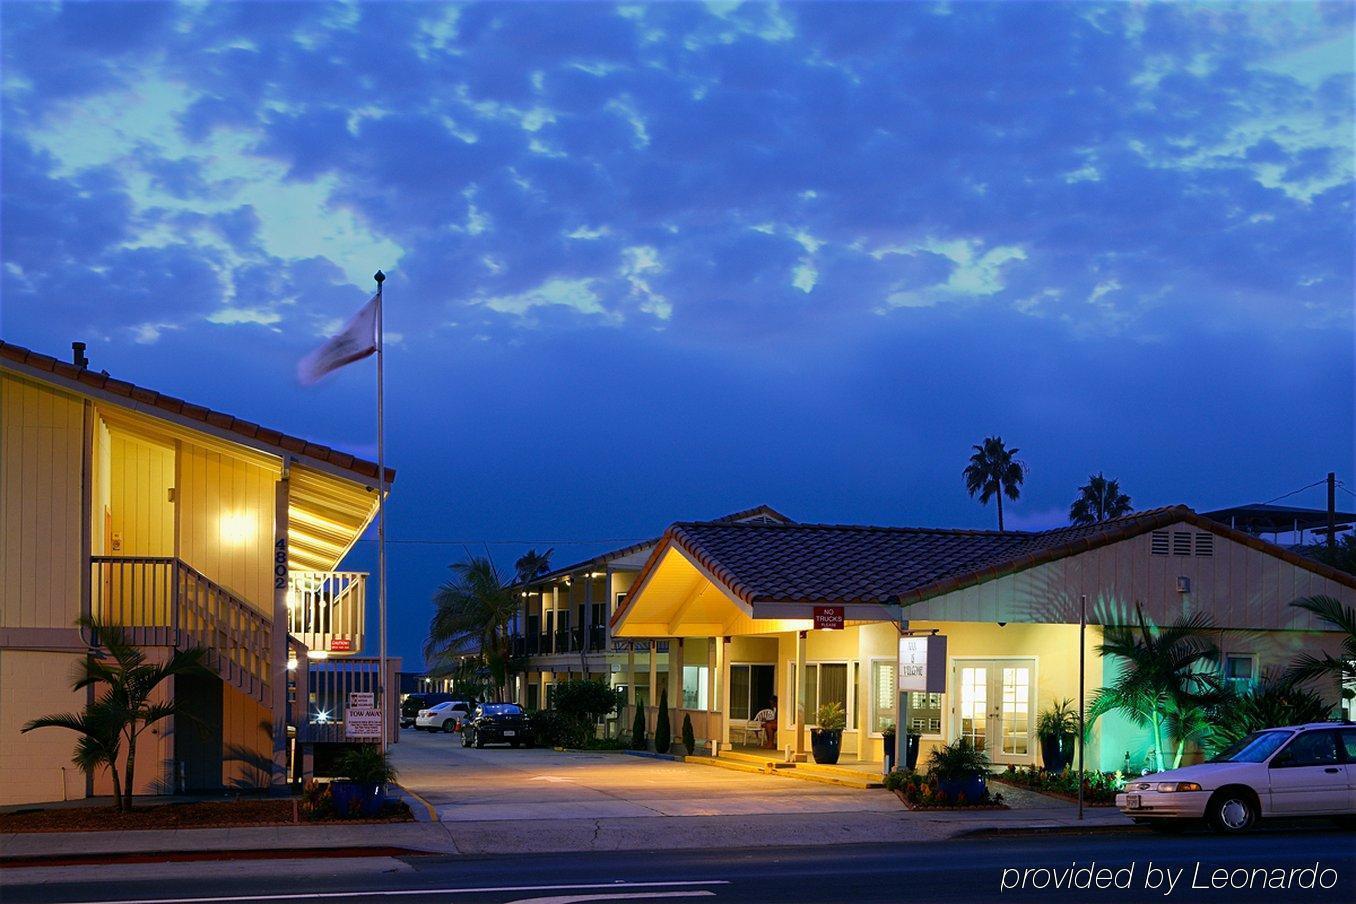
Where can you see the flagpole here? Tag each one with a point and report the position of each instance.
(381, 510)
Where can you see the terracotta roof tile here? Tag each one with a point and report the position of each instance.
(36, 362)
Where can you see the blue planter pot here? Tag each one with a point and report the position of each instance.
(972, 786)
(826, 744)
(351, 798)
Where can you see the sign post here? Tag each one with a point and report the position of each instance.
(920, 667)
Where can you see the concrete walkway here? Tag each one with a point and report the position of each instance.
(503, 801)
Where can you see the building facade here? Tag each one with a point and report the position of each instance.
(185, 527)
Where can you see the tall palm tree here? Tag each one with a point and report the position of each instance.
(1099, 500)
(533, 564)
(1162, 681)
(472, 612)
(994, 472)
(1308, 667)
(125, 681)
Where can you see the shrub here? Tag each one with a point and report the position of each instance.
(663, 734)
(689, 739)
(367, 764)
(923, 791)
(551, 728)
(831, 717)
(584, 698)
(316, 800)
(958, 760)
(1270, 702)
(1057, 721)
(638, 729)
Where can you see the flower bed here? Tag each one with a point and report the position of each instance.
(919, 791)
(202, 815)
(1099, 788)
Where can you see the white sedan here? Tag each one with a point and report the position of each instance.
(1302, 770)
(442, 716)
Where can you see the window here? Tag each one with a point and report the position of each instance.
(695, 686)
(925, 713)
(751, 689)
(1240, 669)
(1312, 748)
(883, 694)
(825, 682)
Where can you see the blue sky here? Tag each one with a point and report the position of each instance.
(652, 262)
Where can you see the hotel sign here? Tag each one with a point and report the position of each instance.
(922, 664)
(828, 618)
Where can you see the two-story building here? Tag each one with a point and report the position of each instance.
(184, 526)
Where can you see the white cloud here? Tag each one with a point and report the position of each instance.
(571, 293)
(976, 271)
(231, 315)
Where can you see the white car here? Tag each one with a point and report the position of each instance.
(442, 716)
(1302, 770)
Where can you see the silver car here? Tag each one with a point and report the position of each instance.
(1298, 771)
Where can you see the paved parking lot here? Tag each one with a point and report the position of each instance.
(500, 783)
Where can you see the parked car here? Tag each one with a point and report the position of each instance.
(1297, 771)
(410, 706)
(442, 716)
(496, 723)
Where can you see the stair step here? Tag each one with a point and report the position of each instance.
(836, 775)
(771, 760)
(720, 762)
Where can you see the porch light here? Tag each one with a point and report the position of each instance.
(292, 664)
(317, 654)
(236, 528)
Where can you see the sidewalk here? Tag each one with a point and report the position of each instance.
(564, 835)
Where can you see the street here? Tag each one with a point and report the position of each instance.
(963, 870)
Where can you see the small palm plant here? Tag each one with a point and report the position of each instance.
(1099, 500)
(1307, 667)
(125, 683)
(1163, 680)
(994, 472)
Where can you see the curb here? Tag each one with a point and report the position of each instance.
(54, 860)
(651, 755)
(432, 813)
(995, 831)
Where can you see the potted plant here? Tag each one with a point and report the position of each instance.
(362, 791)
(960, 768)
(826, 741)
(1056, 728)
(888, 741)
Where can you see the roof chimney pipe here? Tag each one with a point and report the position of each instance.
(78, 355)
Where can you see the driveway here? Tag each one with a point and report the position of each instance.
(500, 783)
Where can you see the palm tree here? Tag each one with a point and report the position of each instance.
(100, 730)
(533, 564)
(126, 683)
(1160, 682)
(1308, 667)
(472, 612)
(1099, 500)
(994, 472)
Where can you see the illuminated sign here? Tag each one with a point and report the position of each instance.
(922, 664)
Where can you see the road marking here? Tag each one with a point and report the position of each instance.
(405, 892)
(549, 778)
(578, 899)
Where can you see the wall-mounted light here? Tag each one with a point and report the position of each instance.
(1184, 584)
(292, 664)
(237, 528)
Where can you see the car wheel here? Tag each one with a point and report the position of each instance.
(1232, 811)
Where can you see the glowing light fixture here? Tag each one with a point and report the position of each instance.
(237, 528)
(292, 664)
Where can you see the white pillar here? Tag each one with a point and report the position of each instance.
(278, 639)
(901, 707)
(802, 693)
(631, 674)
(676, 673)
(723, 704)
(650, 697)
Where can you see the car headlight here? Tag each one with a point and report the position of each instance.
(1168, 787)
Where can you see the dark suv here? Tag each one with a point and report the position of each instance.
(496, 723)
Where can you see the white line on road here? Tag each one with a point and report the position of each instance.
(579, 899)
(402, 892)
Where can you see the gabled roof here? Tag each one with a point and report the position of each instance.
(763, 513)
(861, 564)
(62, 373)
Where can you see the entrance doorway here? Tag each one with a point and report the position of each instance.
(993, 707)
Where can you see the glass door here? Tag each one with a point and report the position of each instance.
(972, 683)
(1011, 721)
(993, 708)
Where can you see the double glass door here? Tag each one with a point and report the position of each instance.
(994, 707)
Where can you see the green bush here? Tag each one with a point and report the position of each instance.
(1099, 788)
(663, 733)
(923, 791)
(689, 739)
(638, 740)
(586, 699)
(1268, 703)
(958, 760)
(551, 728)
(367, 765)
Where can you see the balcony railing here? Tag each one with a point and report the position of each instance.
(326, 610)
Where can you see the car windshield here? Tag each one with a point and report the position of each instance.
(501, 709)
(1253, 748)
(440, 706)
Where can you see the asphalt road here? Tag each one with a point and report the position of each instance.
(975, 869)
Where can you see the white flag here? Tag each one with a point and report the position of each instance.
(355, 341)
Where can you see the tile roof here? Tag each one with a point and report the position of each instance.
(832, 563)
(249, 432)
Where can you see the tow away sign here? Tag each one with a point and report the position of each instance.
(362, 722)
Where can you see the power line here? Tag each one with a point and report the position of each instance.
(1293, 492)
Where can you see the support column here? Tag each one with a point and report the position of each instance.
(723, 704)
(631, 675)
(901, 707)
(651, 694)
(676, 673)
(555, 614)
(802, 694)
(278, 636)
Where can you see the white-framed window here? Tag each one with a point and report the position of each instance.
(1240, 669)
(696, 683)
(826, 682)
(925, 714)
(883, 695)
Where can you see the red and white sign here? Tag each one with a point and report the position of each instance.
(828, 618)
(341, 644)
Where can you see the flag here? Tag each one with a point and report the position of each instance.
(355, 341)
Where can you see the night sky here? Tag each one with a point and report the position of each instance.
(651, 263)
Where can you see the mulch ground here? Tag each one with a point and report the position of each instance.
(1058, 795)
(206, 815)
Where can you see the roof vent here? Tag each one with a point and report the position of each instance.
(1205, 544)
(1181, 543)
(78, 355)
(1158, 543)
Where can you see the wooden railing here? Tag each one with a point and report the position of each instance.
(162, 601)
(328, 683)
(326, 610)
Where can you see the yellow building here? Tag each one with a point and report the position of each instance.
(186, 526)
(737, 604)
